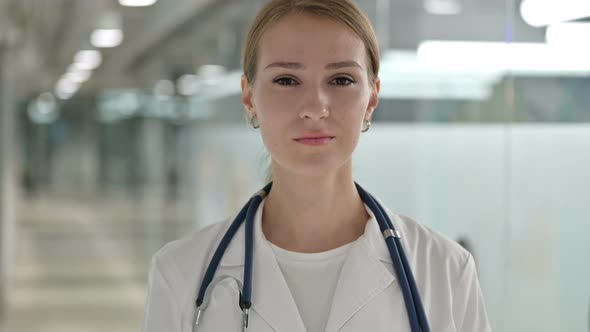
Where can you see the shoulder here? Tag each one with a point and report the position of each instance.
(443, 254)
(447, 274)
(184, 258)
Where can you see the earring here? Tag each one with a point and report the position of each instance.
(254, 122)
(366, 125)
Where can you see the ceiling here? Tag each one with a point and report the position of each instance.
(176, 36)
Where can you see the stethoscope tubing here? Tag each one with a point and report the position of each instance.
(223, 244)
(416, 315)
(411, 280)
(414, 308)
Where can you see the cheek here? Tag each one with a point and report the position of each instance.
(350, 106)
(270, 104)
(275, 117)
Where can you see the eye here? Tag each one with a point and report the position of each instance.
(343, 81)
(286, 81)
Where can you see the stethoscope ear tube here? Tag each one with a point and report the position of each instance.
(205, 301)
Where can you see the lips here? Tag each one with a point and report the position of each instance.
(315, 135)
(317, 140)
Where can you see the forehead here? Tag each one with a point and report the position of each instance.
(310, 39)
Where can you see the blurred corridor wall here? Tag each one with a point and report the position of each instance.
(8, 170)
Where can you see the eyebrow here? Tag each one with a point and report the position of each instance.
(343, 64)
(298, 65)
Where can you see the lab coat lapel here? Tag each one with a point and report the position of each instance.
(366, 273)
(271, 297)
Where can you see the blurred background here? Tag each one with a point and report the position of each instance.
(121, 129)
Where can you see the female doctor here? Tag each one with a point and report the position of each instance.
(319, 260)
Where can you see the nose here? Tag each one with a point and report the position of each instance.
(315, 105)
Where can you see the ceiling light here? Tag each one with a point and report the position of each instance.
(517, 58)
(570, 34)
(137, 3)
(106, 37)
(442, 7)
(188, 84)
(65, 89)
(79, 76)
(87, 59)
(539, 13)
(211, 74)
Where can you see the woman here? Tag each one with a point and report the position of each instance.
(320, 261)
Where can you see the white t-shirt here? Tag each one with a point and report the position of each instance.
(312, 280)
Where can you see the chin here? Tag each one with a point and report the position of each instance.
(315, 168)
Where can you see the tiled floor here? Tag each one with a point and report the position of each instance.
(82, 266)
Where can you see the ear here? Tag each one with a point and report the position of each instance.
(373, 100)
(247, 96)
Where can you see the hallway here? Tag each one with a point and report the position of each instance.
(81, 266)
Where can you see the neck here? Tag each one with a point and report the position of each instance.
(313, 214)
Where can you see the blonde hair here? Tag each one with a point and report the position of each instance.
(343, 11)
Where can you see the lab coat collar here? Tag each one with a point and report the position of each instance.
(365, 273)
(374, 236)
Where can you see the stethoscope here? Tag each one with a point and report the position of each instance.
(414, 308)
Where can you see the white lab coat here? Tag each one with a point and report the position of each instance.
(367, 297)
